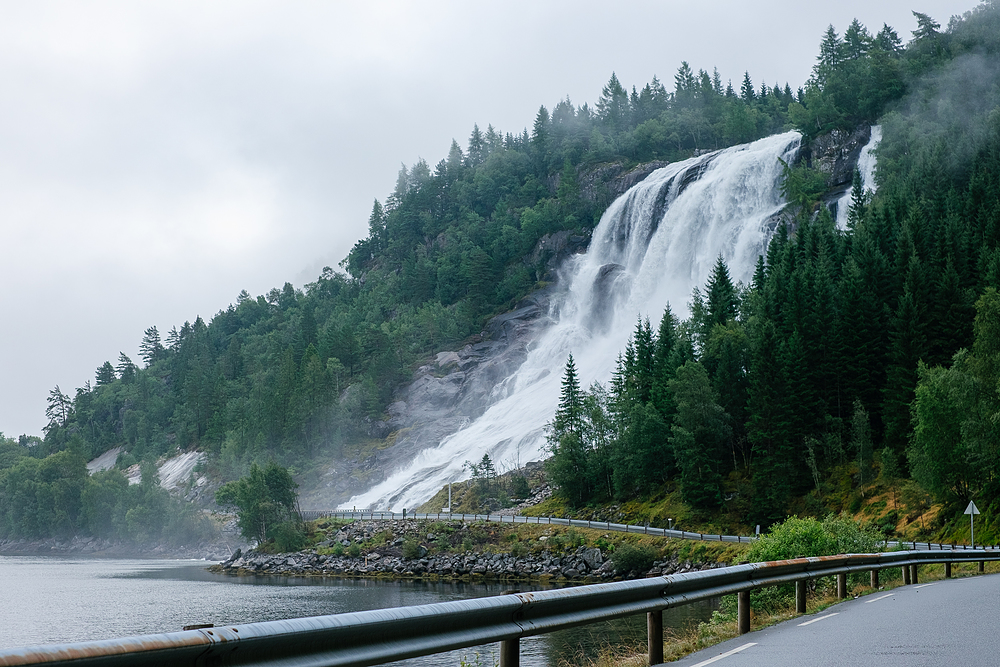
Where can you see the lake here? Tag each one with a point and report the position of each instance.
(53, 600)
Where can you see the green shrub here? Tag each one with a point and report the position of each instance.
(519, 487)
(797, 538)
(354, 551)
(338, 550)
(411, 548)
(631, 558)
(288, 536)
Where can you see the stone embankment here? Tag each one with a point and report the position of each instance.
(582, 564)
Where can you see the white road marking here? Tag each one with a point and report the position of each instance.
(881, 597)
(923, 585)
(815, 620)
(725, 655)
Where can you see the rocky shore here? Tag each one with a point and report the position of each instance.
(586, 565)
(516, 563)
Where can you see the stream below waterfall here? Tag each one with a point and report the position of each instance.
(52, 600)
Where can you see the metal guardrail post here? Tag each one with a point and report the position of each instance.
(743, 612)
(913, 574)
(654, 632)
(906, 575)
(982, 566)
(510, 653)
(800, 597)
(841, 586)
(947, 570)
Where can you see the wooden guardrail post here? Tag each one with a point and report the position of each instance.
(510, 653)
(743, 612)
(841, 586)
(906, 575)
(947, 570)
(874, 579)
(800, 596)
(982, 566)
(654, 632)
(913, 574)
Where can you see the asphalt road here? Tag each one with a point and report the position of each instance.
(950, 622)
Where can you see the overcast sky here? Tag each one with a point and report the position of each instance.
(157, 158)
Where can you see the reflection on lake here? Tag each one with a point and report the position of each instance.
(52, 600)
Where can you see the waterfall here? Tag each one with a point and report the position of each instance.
(653, 246)
(866, 165)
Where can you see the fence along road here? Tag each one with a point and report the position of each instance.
(386, 635)
(311, 515)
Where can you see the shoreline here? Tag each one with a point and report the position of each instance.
(583, 566)
(92, 547)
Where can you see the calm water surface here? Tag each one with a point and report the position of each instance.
(52, 600)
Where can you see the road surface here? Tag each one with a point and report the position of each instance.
(949, 622)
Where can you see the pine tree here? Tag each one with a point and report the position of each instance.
(747, 93)
(569, 414)
(105, 374)
(698, 436)
(568, 465)
(830, 54)
(613, 105)
(642, 369)
(151, 349)
(769, 424)
(60, 408)
(663, 369)
(721, 300)
(478, 148)
(861, 442)
(126, 369)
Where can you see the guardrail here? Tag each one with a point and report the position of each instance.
(386, 635)
(580, 523)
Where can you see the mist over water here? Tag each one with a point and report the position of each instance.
(653, 246)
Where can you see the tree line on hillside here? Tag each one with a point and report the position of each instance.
(807, 377)
(55, 496)
(298, 374)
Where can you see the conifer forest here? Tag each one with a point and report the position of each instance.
(854, 357)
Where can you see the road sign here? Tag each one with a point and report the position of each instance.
(972, 511)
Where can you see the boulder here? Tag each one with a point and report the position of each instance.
(592, 557)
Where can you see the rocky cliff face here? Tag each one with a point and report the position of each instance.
(836, 155)
(445, 394)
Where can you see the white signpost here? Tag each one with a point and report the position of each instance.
(972, 511)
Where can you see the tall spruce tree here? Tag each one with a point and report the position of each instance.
(698, 436)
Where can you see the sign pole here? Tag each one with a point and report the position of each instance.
(972, 511)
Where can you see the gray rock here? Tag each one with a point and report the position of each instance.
(592, 557)
(836, 153)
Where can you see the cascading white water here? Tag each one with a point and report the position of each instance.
(653, 246)
(866, 165)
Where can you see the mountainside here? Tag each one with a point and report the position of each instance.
(313, 377)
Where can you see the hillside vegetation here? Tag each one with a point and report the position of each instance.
(855, 363)
(832, 329)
